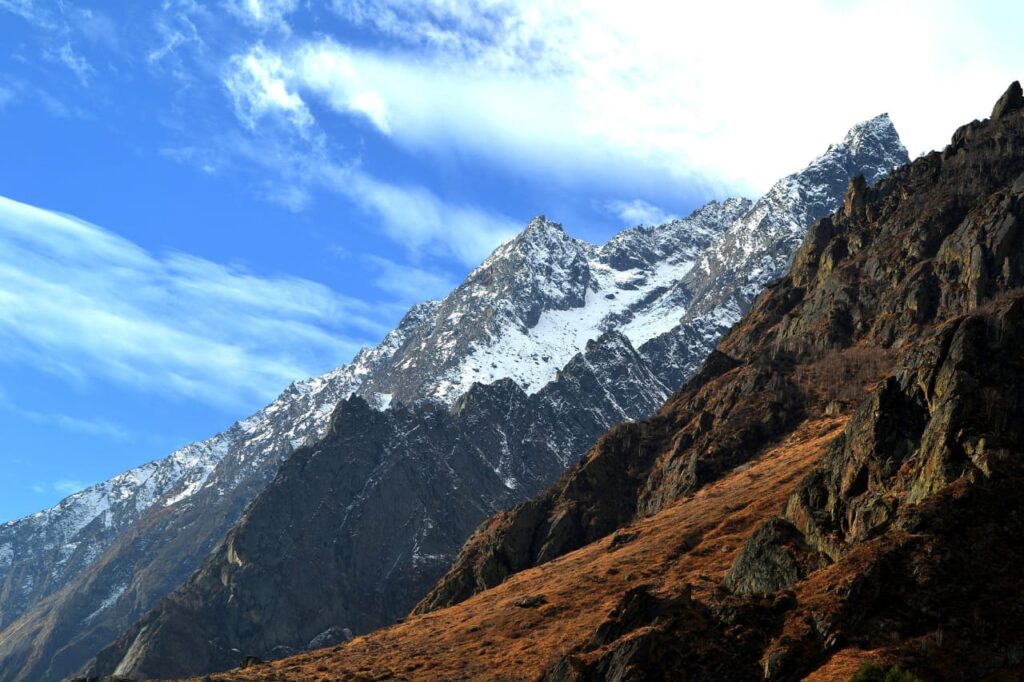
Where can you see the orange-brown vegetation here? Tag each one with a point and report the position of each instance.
(688, 546)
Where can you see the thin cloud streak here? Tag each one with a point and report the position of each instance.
(410, 283)
(84, 304)
(67, 486)
(417, 220)
(86, 426)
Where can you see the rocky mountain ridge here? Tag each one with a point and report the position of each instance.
(870, 396)
(420, 476)
(645, 300)
(629, 284)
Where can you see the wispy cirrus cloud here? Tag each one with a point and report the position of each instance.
(62, 486)
(29, 10)
(412, 215)
(83, 303)
(411, 284)
(591, 92)
(638, 212)
(63, 25)
(418, 219)
(7, 96)
(263, 14)
(257, 86)
(85, 426)
(67, 486)
(79, 65)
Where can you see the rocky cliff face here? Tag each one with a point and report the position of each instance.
(356, 528)
(523, 316)
(905, 311)
(43, 553)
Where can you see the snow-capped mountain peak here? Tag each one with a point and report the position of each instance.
(878, 131)
(641, 310)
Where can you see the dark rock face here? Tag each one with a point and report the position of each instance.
(680, 639)
(904, 538)
(1012, 100)
(356, 528)
(776, 558)
(755, 250)
(632, 470)
(72, 575)
(915, 510)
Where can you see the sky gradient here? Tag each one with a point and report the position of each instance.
(201, 202)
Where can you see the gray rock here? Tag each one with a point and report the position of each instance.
(774, 559)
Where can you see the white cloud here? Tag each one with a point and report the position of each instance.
(720, 94)
(28, 10)
(418, 220)
(256, 82)
(414, 217)
(263, 14)
(7, 96)
(179, 36)
(67, 486)
(82, 303)
(96, 27)
(78, 64)
(91, 426)
(410, 283)
(62, 486)
(638, 212)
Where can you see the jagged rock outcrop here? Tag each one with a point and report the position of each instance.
(634, 469)
(763, 240)
(874, 516)
(357, 527)
(98, 560)
(904, 539)
(774, 559)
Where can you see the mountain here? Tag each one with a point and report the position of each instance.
(755, 250)
(837, 488)
(524, 316)
(518, 315)
(355, 529)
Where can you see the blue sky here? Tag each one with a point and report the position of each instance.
(203, 201)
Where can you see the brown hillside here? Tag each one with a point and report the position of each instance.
(495, 635)
(840, 482)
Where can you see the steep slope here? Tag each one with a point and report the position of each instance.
(521, 628)
(757, 249)
(487, 329)
(629, 285)
(379, 508)
(141, 558)
(522, 315)
(93, 564)
(45, 551)
(717, 424)
(871, 396)
(155, 552)
(38, 553)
